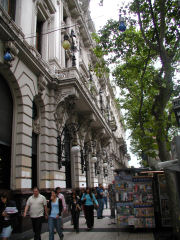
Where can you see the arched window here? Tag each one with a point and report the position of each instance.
(6, 116)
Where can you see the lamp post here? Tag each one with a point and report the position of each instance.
(88, 148)
(8, 56)
(122, 26)
(85, 151)
(70, 44)
(176, 108)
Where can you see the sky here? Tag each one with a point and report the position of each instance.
(100, 15)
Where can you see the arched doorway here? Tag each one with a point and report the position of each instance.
(6, 117)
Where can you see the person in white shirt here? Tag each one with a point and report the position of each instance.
(37, 205)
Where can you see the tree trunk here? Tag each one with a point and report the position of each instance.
(163, 152)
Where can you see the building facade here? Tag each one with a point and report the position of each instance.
(59, 124)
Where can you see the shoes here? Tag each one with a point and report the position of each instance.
(88, 229)
(99, 217)
(62, 237)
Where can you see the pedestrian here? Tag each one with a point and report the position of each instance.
(105, 197)
(54, 220)
(8, 215)
(89, 201)
(75, 207)
(61, 196)
(38, 206)
(100, 200)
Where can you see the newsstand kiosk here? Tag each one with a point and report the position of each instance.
(140, 202)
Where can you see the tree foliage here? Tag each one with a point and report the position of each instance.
(144, 60)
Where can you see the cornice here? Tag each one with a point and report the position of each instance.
(72, 77)
(51, 6)
(10, 32)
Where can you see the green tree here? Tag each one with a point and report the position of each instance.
(145, 59)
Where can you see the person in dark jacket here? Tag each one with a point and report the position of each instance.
(8, 215)
(54, 220)
(75, 207)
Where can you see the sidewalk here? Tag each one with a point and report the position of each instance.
(104, 229)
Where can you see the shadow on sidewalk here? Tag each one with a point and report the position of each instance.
(164, 234)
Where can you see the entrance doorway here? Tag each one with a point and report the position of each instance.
(6, 116)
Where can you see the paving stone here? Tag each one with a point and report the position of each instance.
(104, 229)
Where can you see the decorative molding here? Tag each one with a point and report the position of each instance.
(12, 47)
(65, 105)
(36, 126)
(51, 6)
(41, 84)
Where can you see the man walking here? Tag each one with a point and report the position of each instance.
(38, 206)
(100, 200)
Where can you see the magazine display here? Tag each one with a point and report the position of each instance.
(134, 200)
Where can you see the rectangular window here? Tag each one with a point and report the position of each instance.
(39, 36)
(9, 6)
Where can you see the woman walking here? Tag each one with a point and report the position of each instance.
(8, 216)
(89, 200)
(75, 207)
(54, 219)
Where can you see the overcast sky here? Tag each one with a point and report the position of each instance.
(100, 15)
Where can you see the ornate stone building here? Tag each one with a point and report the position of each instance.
(59, 124)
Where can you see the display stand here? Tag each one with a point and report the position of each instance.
(134, 200)
(164, 202)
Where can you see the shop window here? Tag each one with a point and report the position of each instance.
(9, 6)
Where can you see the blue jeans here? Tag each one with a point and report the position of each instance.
(100, 208)
(105, 201)
(54, 223)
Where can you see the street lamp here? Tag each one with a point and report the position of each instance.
(176, 108)
(122, 26)
(88, 148)
(8, 56)
(67, 44)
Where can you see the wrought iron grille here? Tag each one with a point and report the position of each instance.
(64, 153)
(63, 147)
